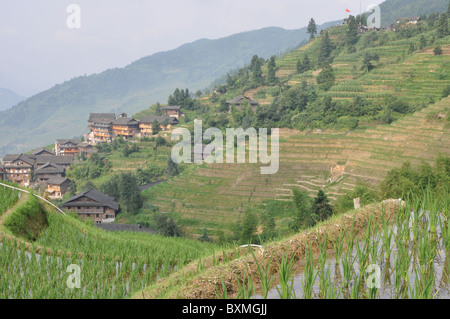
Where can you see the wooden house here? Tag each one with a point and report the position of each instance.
(49, 170)
(125, 127)
(172, 111)
(93, 204)
(100, 127)
(57, 187)
(239, 100)
(18, 168)
(67, 147)
(64, 161)
(87, 149)
(165, 123)
(41, 152)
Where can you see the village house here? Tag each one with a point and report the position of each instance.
(239, 100)
(87, 149)
(172, 111)
(18, 168)
(40, 152)
(67, 147)
(165, 123)
(100, 127)
(93, 204)
(49, 170)
(406, 20)
(57, 187)
(64, 161)
(125, 127)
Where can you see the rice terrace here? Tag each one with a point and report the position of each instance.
(356, 204)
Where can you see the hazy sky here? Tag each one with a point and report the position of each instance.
(38, 49)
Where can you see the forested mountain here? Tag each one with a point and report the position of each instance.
(62, 111)
(393, 9)
(8, 98)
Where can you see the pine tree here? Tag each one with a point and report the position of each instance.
(325, 50)
(321, 207)
(442, 29)
(271, 77)
(130, 193)
(248, 228)
(352, 32)
(326, 77)
(257, 71)
(304, 65)
(172, 168)
(422, 42)
(312, 29)
(303, 216)
(155, 127)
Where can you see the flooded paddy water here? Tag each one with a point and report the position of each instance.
(408, 259)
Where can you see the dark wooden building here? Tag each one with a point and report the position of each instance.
(173, 111)
(93, 204)
(49, 170)
(239, 100)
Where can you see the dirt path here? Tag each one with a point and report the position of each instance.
(23, 198)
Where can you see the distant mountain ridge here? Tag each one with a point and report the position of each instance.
(62, 111)
(8, 99)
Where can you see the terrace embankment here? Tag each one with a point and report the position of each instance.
(203, 282)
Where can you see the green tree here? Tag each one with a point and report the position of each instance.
(351, 36)
(326, 48)
(248, 228)
(422, 42)
(321, 207)
(156, 128)
(437, 50)
(312, 29)
(412, 48)
(271, 77)
(256, 70)
(442, 28)
(304, 65)
(130, 193)
(326, 78)
(166, 226)
(205, 237)
(172, 168)
(304, 217)
(367, 61)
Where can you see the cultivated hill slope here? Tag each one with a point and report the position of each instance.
(216, 195)
(62, 111)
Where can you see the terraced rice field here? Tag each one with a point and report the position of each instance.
(215, 195)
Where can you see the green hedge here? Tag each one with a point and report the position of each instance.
(28, 221)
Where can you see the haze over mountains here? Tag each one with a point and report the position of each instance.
(8, 99)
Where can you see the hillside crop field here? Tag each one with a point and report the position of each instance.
(113, 265)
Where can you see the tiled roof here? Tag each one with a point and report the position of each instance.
(239, 100)
(100, 198)
(150, 119)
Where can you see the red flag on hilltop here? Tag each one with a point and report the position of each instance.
(347, 10)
